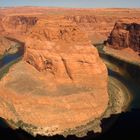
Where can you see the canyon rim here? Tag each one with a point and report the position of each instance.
(60, 83)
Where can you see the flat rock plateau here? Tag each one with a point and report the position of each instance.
(61, 83)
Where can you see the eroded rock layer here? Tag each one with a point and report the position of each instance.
(19, 24)
(6, 45)
(124, 41)
(61, 84)
(98, 23)
(125, 35)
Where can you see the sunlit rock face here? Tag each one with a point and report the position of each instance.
(125, 35)
(62, 50)
(18, 23)
(97, 26)
(6, 45)
(61, 83)
(97, 23)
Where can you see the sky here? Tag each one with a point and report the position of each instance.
(73, 3)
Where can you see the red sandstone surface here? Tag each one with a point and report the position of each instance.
(61, 83)
(98, 23)
(5, 45)
(125, 34)
(124, 40)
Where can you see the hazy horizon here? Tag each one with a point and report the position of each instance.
(73, 3)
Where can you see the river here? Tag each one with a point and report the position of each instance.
(127, 123)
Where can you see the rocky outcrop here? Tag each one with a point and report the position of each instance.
(125, 35)
(1, 27)
(6, 45)
(18, 23)
(97, 27)
(98, 23)
(60, 86)
(62, 50)
(54, 36)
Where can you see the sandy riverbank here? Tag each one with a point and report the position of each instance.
(119, 100)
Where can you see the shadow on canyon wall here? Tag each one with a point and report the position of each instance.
(126, 126)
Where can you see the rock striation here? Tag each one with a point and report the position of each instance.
(6, 45)
(97, 27)
(125, 35)
(98, 23)
(59, 86)
(62, 50)
(124, 41)
(18, 23)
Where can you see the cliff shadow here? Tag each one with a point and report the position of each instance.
(125, 126)
(21, 43)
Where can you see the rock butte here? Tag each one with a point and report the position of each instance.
(61, 83)
(124, 40)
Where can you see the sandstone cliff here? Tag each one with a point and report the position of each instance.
(62, 50)
(98, 23)
(60, 86)
(6, 45)
(61, 83)
(97, 27)
(18, 24)
(125, 35)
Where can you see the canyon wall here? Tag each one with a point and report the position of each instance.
(62, 50)
(125, 35)
(60, 85)
(97, 27)
(18, 24)
(98, 23)
(6, 45)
